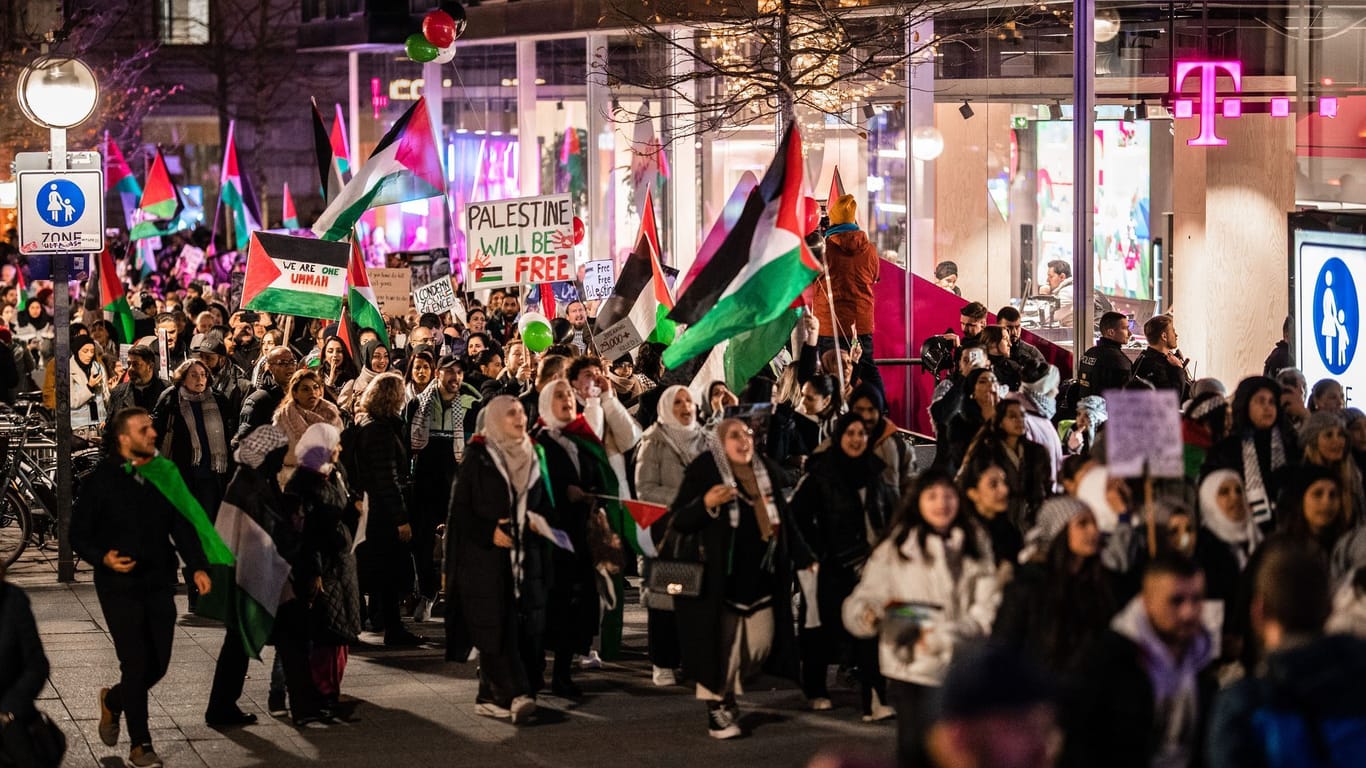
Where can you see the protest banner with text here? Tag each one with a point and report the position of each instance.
(524, 240)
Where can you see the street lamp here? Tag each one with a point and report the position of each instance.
(57, 93)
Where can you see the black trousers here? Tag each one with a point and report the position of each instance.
(229, 675)
(916, 707)
(291, 648)
(661, 630)
(821, 647)
(142, 625)
(16, 746)
(515, 669)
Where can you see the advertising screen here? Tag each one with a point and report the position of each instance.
(1328, 273)
(1123, 241)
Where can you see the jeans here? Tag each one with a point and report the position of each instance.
(142, 625)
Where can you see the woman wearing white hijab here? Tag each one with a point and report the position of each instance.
(496, 565)
(666, 449)
(1225, 512)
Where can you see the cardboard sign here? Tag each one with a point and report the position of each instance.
(1144, 428)
(392, 288)
(436, 296)
(235, 282)
(597, 279)
(616, 341)
(525, 240)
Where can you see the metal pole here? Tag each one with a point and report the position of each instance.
(66, 563)
(1083, 175)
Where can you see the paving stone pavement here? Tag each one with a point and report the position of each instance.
(414, 708)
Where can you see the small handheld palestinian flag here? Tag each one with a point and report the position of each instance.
(295, 275)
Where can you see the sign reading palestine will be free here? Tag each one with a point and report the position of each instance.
(524, 240)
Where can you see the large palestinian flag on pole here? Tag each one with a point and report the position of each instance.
(160, 205)
(760, 269)
(295, 275)
(405, 166)
(242, 208)
(341, 149)
(637, 311)
(330, 176)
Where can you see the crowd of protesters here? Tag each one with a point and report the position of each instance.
(1001, 602)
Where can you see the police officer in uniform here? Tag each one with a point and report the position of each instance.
(1105, 366)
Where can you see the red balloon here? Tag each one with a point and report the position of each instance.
(439, 28)
(578, 230)
(811, 214)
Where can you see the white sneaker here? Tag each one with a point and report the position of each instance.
(820, 705)
(664, 677)
(523, 707)
(489, 709)
(422, 612)
(880, 712)
(591, 661)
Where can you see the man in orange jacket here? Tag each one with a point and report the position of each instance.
(853, 263)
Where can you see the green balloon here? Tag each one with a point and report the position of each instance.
(420, 49)
(537, 337)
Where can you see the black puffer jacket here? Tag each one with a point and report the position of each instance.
(259, 407)
(380, 460)
(325, 518)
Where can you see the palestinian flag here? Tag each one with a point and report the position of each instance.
(160, 205)
(836, 188)
(736, 360)
(637, 311)
(295, 276)
(114, 299)
(330, 175)
(735, 205)
(118, 177)
(22, 289)
(760, 269)
(261, 573)
(291, 218)
(243, 210)
(235, 607)
(340, 150)
(405, 166)
(361, 305)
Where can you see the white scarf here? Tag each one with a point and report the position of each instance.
(688, 441)
(1260, 501)
(1243, 537)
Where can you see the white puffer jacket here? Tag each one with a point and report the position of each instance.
(968, 604)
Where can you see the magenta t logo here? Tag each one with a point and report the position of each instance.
(1231, 107)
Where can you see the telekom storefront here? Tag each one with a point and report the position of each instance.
(1155, 151)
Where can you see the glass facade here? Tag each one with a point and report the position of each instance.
(1210, 124)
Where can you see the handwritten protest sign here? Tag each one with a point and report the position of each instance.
(1143, 426)
(436, 296)
(597, 279)
(392, 289)
(524, 240)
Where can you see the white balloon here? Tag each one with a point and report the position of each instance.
(446, 55)
(529, 318)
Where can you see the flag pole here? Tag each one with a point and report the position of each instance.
(835, 325)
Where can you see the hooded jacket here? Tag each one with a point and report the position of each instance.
(854, 268)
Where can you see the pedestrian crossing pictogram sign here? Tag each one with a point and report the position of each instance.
(61, 211)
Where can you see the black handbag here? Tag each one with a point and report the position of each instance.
(677, 572)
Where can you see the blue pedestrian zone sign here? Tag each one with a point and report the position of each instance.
(61, 203)
(1336, 316)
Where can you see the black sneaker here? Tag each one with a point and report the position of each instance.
(721, 722)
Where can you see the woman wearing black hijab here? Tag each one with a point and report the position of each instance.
(841, 508)
(1259, 448)
(374, 360)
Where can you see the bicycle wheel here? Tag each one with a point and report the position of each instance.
(14, 528)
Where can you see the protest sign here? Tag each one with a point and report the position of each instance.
(235, 282)
(525, 240)
(1144, 426)
(392, 289)
(436, 296)
(597, 279)
(295, 275)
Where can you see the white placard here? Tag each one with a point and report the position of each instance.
(524, 240)
(435, 297)
(392, 288)
(1144, 426)
(616, 341)
(598, 279)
